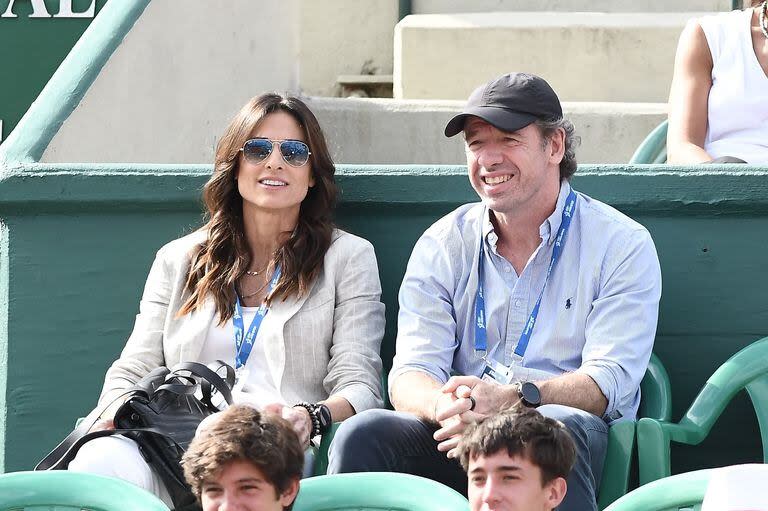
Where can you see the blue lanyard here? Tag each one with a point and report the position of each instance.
(243, 349)
(481, 322)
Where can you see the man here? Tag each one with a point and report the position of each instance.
(247, 460)
(539, 294)
(516, 460)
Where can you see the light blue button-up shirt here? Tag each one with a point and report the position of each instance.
(597, 316)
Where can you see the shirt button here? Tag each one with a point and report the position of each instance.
(518, 303)
(507, 269)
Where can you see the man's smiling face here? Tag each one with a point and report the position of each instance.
(510, 170)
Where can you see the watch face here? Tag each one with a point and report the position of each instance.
(531, 393)
(324, 414)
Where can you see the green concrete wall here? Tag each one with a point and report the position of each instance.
(30, 51)
(77, 243)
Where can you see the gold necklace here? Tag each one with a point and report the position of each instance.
(256, 273)
(259, 290)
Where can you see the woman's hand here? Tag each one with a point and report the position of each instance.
(297, 416)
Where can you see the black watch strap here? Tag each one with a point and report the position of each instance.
(325, 418)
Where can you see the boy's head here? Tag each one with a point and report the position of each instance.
(246, 460)
(517, 460)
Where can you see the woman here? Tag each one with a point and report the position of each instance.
(270, 252)
(718, 102)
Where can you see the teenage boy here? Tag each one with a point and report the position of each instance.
(247, 460)
(517, 460)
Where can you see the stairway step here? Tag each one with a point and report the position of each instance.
(390, 131)
(585, 56)
(461, 6)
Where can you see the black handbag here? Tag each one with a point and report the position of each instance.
(161, 414)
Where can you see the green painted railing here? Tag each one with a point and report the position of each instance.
(71, 80)
(77, 240)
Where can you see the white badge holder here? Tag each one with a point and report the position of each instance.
(241, 379)
(497, 373)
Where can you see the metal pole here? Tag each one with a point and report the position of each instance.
(405, 8)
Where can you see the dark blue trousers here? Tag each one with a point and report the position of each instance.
(388, 441)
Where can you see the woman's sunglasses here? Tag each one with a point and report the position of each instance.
(294, 152)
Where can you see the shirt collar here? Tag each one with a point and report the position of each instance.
(553, 221)
(550, 225)
(489, 233)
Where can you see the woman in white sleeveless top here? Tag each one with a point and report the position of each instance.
(718, 102)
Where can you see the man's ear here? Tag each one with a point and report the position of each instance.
(289, 495)
(555, 492)
(556, 146)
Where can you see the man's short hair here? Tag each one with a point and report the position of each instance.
(522, 432)
(243, 433)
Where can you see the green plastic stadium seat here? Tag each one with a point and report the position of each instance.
(656, 402)
(654, 148)
(747, 369)
(682, 492)
(61, 490)
(376, 491)
(321, 462)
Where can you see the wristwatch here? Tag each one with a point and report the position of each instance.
(529, 394)
(320, 415)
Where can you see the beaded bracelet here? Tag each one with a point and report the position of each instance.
(312, 410)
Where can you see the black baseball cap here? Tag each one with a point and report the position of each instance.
(509, 102)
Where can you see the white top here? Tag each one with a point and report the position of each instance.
(258, 386)
(737, 488)
(738, 99)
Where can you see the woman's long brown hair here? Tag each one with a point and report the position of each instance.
(218, 262)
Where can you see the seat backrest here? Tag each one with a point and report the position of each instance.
(746, 370)
(62, 489)
(656, 402)
(683, 491)
(376, 491)
(656, 391)
(654, 148)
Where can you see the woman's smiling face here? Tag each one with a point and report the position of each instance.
(272, 184)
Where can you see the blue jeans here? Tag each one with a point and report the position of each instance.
(387, 441)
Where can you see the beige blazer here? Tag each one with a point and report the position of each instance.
(325, 343)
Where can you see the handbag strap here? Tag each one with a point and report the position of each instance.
(56, 459)
(71, 448)
(210, 380)
(155, 380)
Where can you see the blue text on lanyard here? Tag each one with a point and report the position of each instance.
(243, 349)
(481, 321)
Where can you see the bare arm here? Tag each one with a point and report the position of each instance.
(576, 390)
(417, 393)
(571, 389)
(688, 97)
(339, 407)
